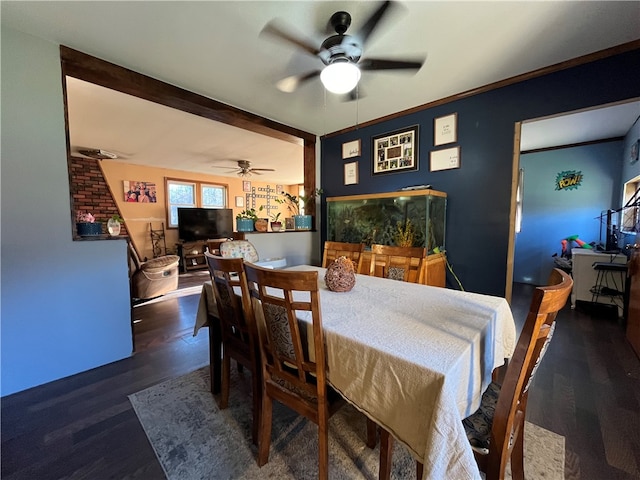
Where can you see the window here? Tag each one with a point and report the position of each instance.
(300, 195)
(183, 194)
(630, 222)
(213, 196)
(519, 198)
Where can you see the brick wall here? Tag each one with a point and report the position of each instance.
(90, 192)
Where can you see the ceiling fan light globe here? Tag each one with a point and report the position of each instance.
(340, 77)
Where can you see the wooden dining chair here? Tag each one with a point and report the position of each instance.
(398, 263)
(333, 250)
(291, 375)
(496, 429)
(237, 327)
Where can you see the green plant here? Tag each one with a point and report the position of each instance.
(275, 217)
(249, 213)
(293, 201)
(117, 218)
(405, 234)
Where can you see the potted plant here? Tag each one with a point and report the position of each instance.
(301, 222)
(86, 225)
(114, 225)
(276, 224)
(245, 220)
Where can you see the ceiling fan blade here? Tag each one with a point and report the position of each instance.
(290, 84)
(371, 24)
(222, 166)
(388, 64)
(263, 170)
(274, 29)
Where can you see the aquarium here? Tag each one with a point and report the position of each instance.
(413, 218)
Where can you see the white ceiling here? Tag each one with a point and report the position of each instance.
(214, 48)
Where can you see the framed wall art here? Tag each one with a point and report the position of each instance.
(445, 129)
(351, 173)
(139, 192)
(395, 152)
(240, 202)
(246, 186)
(445, 159)
(351, 149)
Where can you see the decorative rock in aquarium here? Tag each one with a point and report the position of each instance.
(341, 275)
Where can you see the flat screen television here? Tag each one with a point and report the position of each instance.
(204, 223)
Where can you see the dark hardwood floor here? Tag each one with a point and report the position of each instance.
(83, 427)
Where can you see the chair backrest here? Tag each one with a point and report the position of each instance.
(239, 249)
(235, 312)
(284, 340)
(333, 250)
(531, 347)
(398, 263)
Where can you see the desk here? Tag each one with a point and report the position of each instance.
(415, 359)
(584, 276)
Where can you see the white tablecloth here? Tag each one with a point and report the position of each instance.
(416, 359)
(413, 358)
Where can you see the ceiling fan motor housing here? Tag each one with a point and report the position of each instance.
(340, 47)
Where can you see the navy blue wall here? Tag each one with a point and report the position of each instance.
(479, 192)
(550, 215)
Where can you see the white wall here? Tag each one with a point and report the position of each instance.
(299, 248)
(64, 304)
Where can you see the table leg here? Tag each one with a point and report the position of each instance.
(215, 353)
(386, 454)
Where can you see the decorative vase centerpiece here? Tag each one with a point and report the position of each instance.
(341, 275)
(86, 225)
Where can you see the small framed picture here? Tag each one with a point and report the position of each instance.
(246, 186)
(445, 129)
(278, 189)
(240, 202)
(351, 149)
(633, 156)
(445, 159)
(351, 173)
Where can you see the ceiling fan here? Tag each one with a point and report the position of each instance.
(340, 53)
(244, 169)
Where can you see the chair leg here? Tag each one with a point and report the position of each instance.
(257, 402)
(386, 454)
(517, 457)
(226, 370)
(323, 444)
(264, 440)
(419, 470)
(215, 353)
(371, 433)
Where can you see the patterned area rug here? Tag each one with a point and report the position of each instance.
(194, 439)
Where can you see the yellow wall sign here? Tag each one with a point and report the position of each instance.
(568, 180)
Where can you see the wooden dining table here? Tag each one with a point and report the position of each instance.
(413, 358)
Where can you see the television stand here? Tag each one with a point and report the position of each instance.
(192, 255)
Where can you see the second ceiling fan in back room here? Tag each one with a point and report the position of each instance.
(341, 53)
(244, 169)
